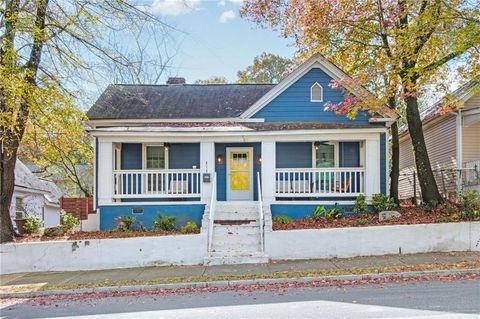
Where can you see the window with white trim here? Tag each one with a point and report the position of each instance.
(316, 93)
(155, 157)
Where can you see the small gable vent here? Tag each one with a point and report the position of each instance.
(316, 93)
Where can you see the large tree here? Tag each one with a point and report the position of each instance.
(412, 41)
(46, 46)
(213, 80)
(266, 68)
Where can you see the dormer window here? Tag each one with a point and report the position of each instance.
(316, 93)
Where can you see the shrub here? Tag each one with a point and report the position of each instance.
(382, 203)
(69, 222)
(54, 231)
(164, 222)
(32, 224)
(282, 219)
(321, 212)
(189, 228)
(470, 205)
(361, 206)
(430, 206)
(124, 223)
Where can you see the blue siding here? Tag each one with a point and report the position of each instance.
(131, 156)
(297, 212)
(349, 154)
(383, 164)
(293, 104)
(294, 155)
(183, 213)
(182, 156)
(221, 169)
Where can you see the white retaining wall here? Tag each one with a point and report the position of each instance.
(374, 240)
(191, 249)
(102, 253)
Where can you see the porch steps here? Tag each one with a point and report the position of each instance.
(236, 235)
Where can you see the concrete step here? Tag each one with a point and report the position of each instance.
(245, 244)
(236, 231)
(238, 258)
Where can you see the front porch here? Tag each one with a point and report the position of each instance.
(333, 170)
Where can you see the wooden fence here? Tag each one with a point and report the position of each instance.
(79, 207)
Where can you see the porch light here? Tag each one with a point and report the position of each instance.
(166, 145)
(317, 145)
(219, 159)
(259, 159)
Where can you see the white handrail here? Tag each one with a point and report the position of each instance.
(211, 216)
(260, 211)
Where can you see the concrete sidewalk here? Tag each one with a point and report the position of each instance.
(204, 273)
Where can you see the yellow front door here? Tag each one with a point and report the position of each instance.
(239, 174)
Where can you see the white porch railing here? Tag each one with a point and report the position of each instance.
(260, 211)
(213, 208)
(319, 182)
(181, 183)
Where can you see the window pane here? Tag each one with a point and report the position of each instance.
(316, 93)
(325, 156)
(155, 157)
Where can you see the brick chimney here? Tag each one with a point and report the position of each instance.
(173, 81)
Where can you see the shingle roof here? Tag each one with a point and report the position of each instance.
(26, 179)
(176, 101)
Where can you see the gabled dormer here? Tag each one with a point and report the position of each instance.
(302, 96)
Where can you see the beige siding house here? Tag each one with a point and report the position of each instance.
(453, 144)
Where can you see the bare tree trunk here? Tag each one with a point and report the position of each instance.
(7, 184)
(428, 185)
(395, 170)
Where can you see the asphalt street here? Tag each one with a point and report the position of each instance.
(428, 299)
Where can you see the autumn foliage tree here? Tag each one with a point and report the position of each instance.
(411, 41)
(266, 68)
(45, 46)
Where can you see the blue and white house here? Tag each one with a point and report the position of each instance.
(236, 154)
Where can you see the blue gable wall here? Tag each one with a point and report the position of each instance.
(294, 104)
(221, 169)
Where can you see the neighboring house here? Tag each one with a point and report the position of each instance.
(35, 196)
(453, 144)
(244, 150)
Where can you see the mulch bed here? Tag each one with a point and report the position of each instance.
(97, 235)
(410, 216)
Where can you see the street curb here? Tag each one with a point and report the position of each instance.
(240, 282)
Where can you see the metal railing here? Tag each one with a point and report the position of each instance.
(166, 183)
(319, 182)
(211, 215)
(260, 211)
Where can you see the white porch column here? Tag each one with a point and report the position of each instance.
(207, 165)
(372, 167)
(105, 172)
(268, 171)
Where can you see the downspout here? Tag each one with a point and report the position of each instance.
(459, 149)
